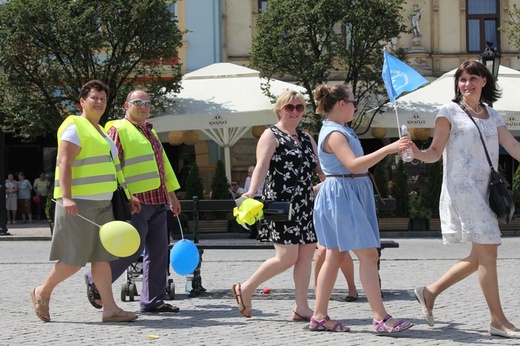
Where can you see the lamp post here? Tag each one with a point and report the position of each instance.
(3, 211)
(491, 59)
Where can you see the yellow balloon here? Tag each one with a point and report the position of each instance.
(119, 238)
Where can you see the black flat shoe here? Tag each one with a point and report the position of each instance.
(163, 308)
(351, 298)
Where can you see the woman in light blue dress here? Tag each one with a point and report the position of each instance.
(344, 210)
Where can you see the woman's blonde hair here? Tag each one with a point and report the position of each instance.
(285, 98)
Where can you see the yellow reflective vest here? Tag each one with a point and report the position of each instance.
(139, 165)
(93, 171)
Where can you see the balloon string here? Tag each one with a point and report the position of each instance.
(180, 227)
(81, 216)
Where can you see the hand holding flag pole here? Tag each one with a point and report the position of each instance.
(398, 77)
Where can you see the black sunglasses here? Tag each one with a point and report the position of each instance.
(354, 102)
(290, 108)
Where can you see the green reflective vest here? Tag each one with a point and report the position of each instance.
(93, 171)
(139, 166)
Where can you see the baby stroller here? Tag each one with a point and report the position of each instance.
(134, 273)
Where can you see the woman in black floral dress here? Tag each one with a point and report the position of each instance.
(286, 159)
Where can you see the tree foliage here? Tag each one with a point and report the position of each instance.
(513, 29)
(51, 48)
(194, 185)
(433, 187)
(401, 193)
(220, 184)
(307, 39)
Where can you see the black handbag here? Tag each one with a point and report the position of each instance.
(500, 200)
(278, 210)
(120, 205)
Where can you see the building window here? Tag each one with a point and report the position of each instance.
(482, 24)
(262, 6)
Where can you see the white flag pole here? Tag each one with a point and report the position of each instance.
(397, 119)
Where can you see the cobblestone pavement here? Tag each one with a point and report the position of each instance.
(213, 319)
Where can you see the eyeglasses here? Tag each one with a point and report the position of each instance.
(98, 99)
(234, 184)
(354, 102)
(290, 108)
(140, 103)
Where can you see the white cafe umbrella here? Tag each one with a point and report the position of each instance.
(419, 108)
(224, 101)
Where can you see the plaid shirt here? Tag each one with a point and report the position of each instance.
(159, 195)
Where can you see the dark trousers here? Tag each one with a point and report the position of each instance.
(152, 227)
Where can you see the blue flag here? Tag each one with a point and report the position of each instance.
(399, 77)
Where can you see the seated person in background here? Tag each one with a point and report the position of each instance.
(235, 190)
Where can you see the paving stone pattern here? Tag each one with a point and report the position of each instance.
(461, 314)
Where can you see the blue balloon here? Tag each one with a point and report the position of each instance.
(184, 257)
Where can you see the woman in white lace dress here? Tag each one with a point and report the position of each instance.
(464, 209)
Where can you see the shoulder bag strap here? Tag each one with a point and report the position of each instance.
(480, 134)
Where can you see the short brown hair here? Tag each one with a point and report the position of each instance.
(93, 84)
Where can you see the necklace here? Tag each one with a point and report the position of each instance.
(475, 112)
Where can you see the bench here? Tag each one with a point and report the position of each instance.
(196, 206)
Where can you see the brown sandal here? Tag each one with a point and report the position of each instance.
(121, 316)
(41, 307)
(243, 309)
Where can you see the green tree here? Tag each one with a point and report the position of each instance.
(194, 185)
(433, 187)
(516, 188)
(381, 182)
(513, 28)
(50, 48)
(401, 191)
(307, 39)
(220, 183)
(381, 179)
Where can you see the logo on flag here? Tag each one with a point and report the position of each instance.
(399, 77)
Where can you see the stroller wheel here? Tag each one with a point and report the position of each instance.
(131, 291)
(171, 291)
(123, 292)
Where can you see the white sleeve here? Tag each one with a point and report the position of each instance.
(70, 134)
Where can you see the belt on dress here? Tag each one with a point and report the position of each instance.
(351, 175)
(358, 175)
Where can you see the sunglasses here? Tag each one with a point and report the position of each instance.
(354, 102)
(290, 108)
(140, 103)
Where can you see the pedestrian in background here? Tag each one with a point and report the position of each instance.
(11, 200)
(151, 178)
(24, 197)
(86, 178)
(288, 158)
(464, 208)
(344, 211)
(41, 190)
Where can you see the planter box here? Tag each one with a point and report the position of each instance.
(419, 224)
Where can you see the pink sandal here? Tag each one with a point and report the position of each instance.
(319, 326)
(380, 326)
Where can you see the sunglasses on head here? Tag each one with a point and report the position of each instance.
(140, 103)
(290, 108)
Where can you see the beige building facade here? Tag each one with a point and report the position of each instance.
(442, 34)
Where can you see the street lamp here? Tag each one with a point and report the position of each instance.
(491, 59)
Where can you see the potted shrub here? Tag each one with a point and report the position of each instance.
(419, 214)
